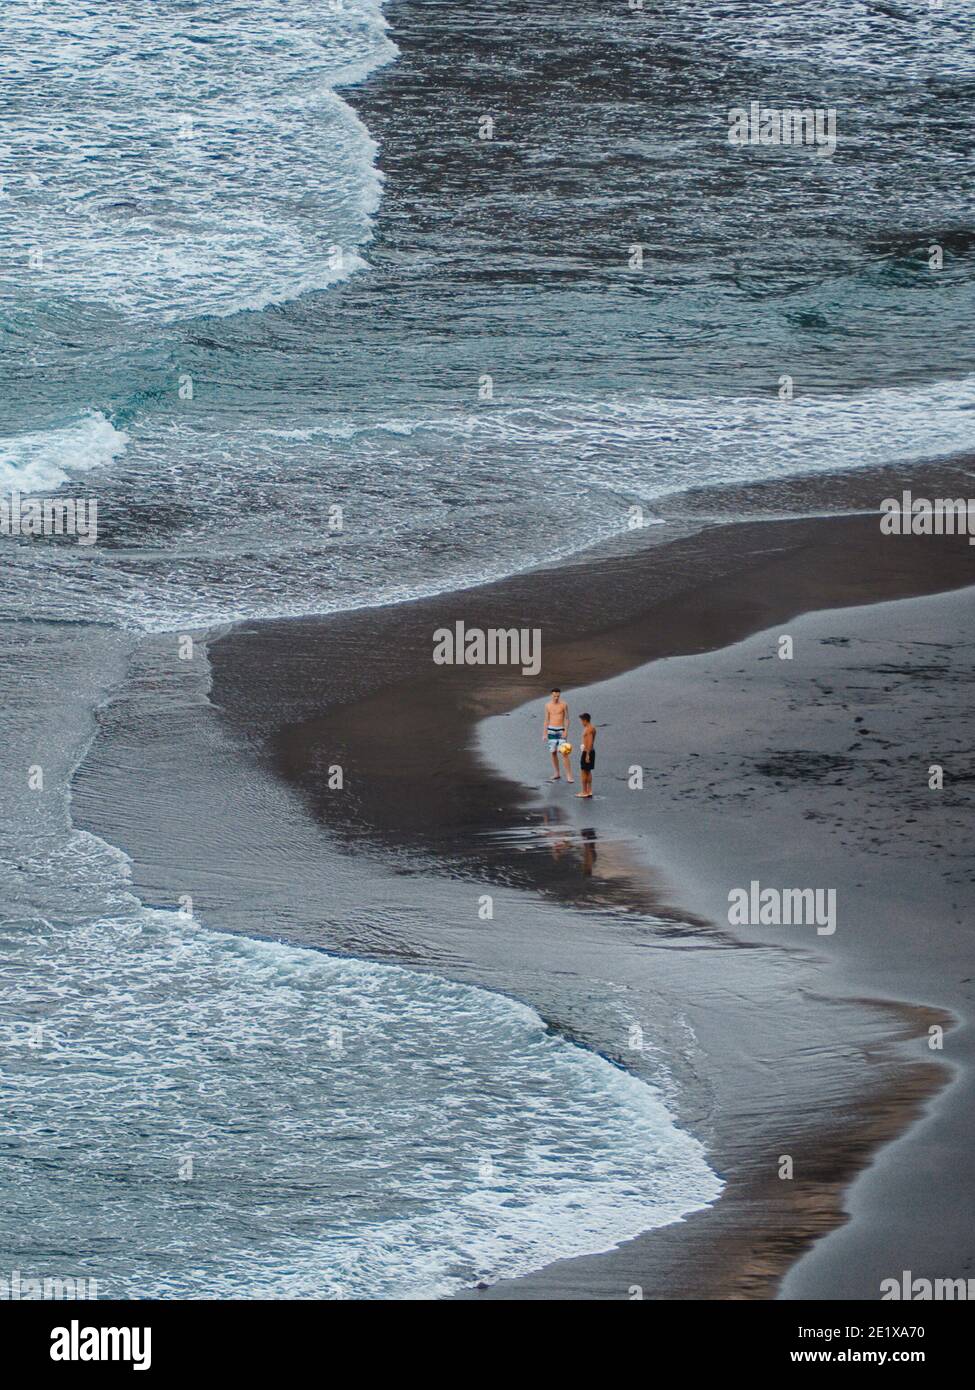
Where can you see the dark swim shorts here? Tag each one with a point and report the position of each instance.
(588, 760)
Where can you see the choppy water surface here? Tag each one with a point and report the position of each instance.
(236, 324)
(257, 264)
(196, 1114)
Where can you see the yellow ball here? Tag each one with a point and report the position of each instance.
(565, 747)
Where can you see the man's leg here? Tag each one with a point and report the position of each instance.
(555, 761)
(568, 766)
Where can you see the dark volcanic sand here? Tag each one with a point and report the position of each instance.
(815, 771)
(765, 1060)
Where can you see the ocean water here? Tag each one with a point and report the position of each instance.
(195, 1114)
(300, 1126)
(258, 264)
(278, 267)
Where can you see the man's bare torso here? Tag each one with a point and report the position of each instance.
(555, 714)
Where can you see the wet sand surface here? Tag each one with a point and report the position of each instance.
(766, 1046)
(814, 772)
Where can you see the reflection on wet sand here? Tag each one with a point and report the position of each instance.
(561, 840)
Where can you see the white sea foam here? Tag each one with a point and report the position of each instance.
(203, 162)
(41, 462)
(353, 1128)
(653, 445)
(465, 497)
(392, 1133)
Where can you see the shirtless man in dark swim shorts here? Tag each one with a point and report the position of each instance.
(588, 760)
